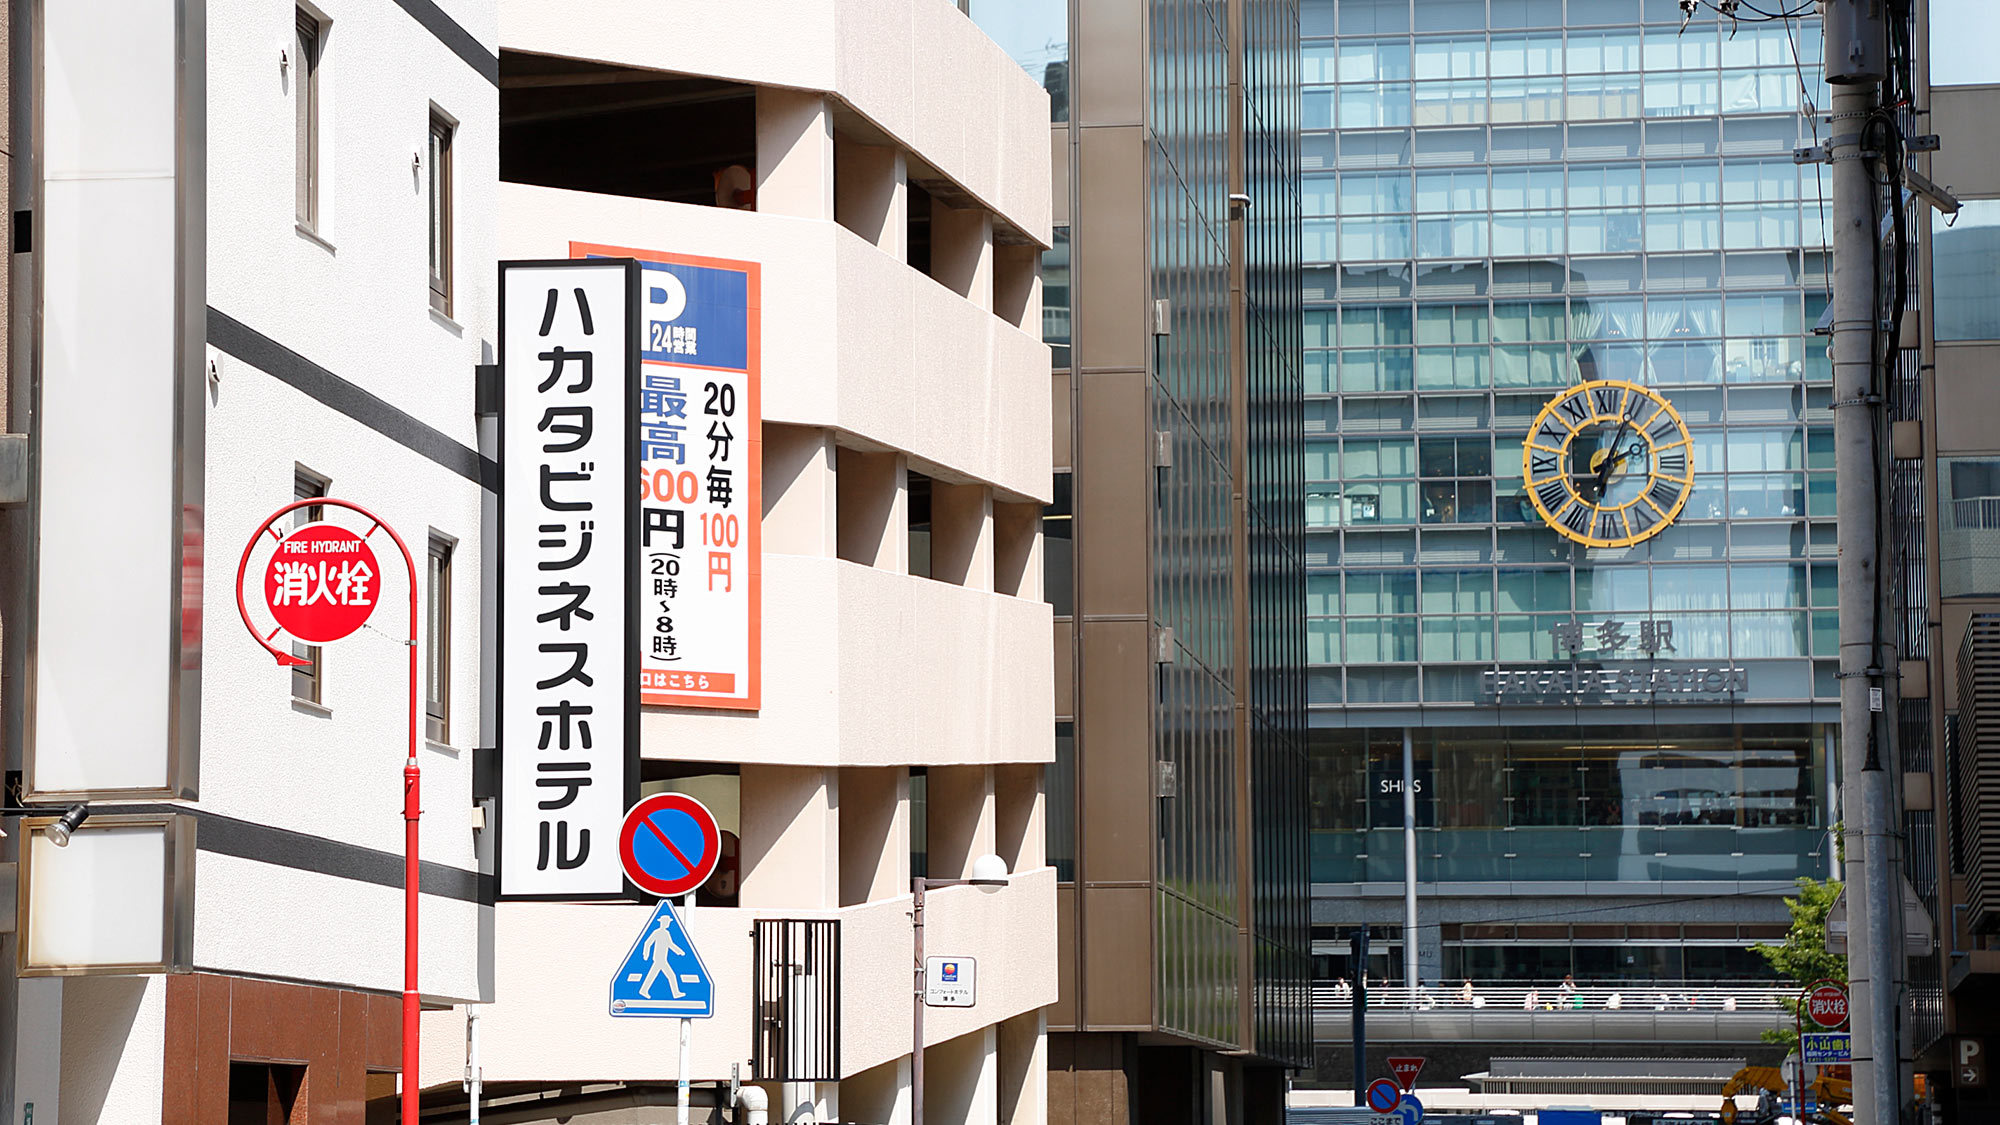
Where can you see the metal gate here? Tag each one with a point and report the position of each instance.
(797, 1037)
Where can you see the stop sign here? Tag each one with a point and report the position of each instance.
(1827, 1005)
(322, 583)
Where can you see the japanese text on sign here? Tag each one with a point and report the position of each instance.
(1612, 638)
(567, 727)
(320, 583)
(700, 459)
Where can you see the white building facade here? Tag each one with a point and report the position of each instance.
(301, 201)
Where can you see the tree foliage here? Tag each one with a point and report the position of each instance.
(1802, 957)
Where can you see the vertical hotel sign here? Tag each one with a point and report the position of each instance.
(700, 474)
(569, 525)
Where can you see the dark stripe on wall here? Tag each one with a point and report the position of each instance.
(317, 383)
(459, 40)
(246, 839)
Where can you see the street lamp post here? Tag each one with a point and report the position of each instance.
(987, 871)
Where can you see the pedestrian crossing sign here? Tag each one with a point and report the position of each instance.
(662, 975)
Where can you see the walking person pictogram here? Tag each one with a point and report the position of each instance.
(658, 949)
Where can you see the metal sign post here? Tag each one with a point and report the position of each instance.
(669, 846)
(1358, 956)
(320, 585)
(682, 1096)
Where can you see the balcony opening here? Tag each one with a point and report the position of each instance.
(1017, 831)
(874, 835)
(1015, 570)
(866, 513)
(919, 509)
(869, 196)
(917, 242)
(718, 785)
(1017, 274)
(961, 534)
(626, 131)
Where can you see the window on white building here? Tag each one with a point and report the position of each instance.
(305, 99)
(437, 639)
(439, 157)
(308, 680)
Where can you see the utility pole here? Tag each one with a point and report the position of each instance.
(1857, 51)
(1411, 977)
(1358, 945)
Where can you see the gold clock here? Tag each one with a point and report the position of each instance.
(1608, 463)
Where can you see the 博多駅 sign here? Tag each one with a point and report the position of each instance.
(1638, 684)
(569, 563)
(700, 478)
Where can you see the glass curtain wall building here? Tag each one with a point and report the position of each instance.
(1570, 501)
(1175, 554)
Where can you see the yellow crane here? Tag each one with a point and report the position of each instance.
(1831, 1092)
(1769, 1081)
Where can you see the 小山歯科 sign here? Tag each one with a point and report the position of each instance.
(1826, 1047)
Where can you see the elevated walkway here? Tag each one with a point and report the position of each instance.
(1622, 1012)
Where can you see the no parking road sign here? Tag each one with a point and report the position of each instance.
(670, 844)
(1383, 1096)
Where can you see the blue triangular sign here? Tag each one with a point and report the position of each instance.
(662, 975)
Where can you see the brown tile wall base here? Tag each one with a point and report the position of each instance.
(1088, 1083)
(337, 1035)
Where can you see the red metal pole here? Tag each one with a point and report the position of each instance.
(1799, 1037)
(412, 805)
(412, 809)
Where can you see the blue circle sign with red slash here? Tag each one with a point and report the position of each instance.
(670, 844)
(1383, 1095)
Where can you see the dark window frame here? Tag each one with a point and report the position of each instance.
(438, 230)
(307, 44)
(309, 680)
(437, 629)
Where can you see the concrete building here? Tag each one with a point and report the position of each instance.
(1947, 591)
(1175, 802)
(252, 250)
(1539, 237)
(880, 170)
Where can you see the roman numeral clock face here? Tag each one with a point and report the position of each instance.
(1607, 463)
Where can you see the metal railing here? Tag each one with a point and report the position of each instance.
(1654, 997)
(797, 1000)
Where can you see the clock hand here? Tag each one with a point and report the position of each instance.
(1611, 462)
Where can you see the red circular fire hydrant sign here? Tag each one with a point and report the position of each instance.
(322, 583)
(1827, 1005)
